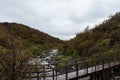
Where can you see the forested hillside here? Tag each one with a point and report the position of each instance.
(25, 38)
(104, 40)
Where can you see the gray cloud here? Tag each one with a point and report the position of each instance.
(60, 18)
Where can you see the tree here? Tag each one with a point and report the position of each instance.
(86, 29)
(13, 62)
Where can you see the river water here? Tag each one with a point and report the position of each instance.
(44, 58)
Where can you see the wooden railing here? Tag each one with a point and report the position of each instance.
(56, 71)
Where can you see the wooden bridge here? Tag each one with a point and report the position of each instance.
(100, 69)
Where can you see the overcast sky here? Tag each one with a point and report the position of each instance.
(59, 18)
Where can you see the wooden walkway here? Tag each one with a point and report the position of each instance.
(83, 72)
(70, 71)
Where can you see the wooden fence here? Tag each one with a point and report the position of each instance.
(70, 69)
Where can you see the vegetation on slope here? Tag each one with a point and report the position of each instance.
(103, 40)
(31, 40)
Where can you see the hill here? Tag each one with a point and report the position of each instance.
(25, 38)
(104, 40)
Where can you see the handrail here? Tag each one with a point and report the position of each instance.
(79, 64)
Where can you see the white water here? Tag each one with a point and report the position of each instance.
(43, 61)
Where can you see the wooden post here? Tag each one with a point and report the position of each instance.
(53, 74)
(109, 64)
(92, 69)
(111, 73)
(87, 66)
(119, 58)
(44, 72)
(66, 71)
(95, 66)
(114, 61)
(92, 63)
(103, 64)
(93, 76)
(56, 72)
(37, 75)
(101, 75)
(77, 70)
